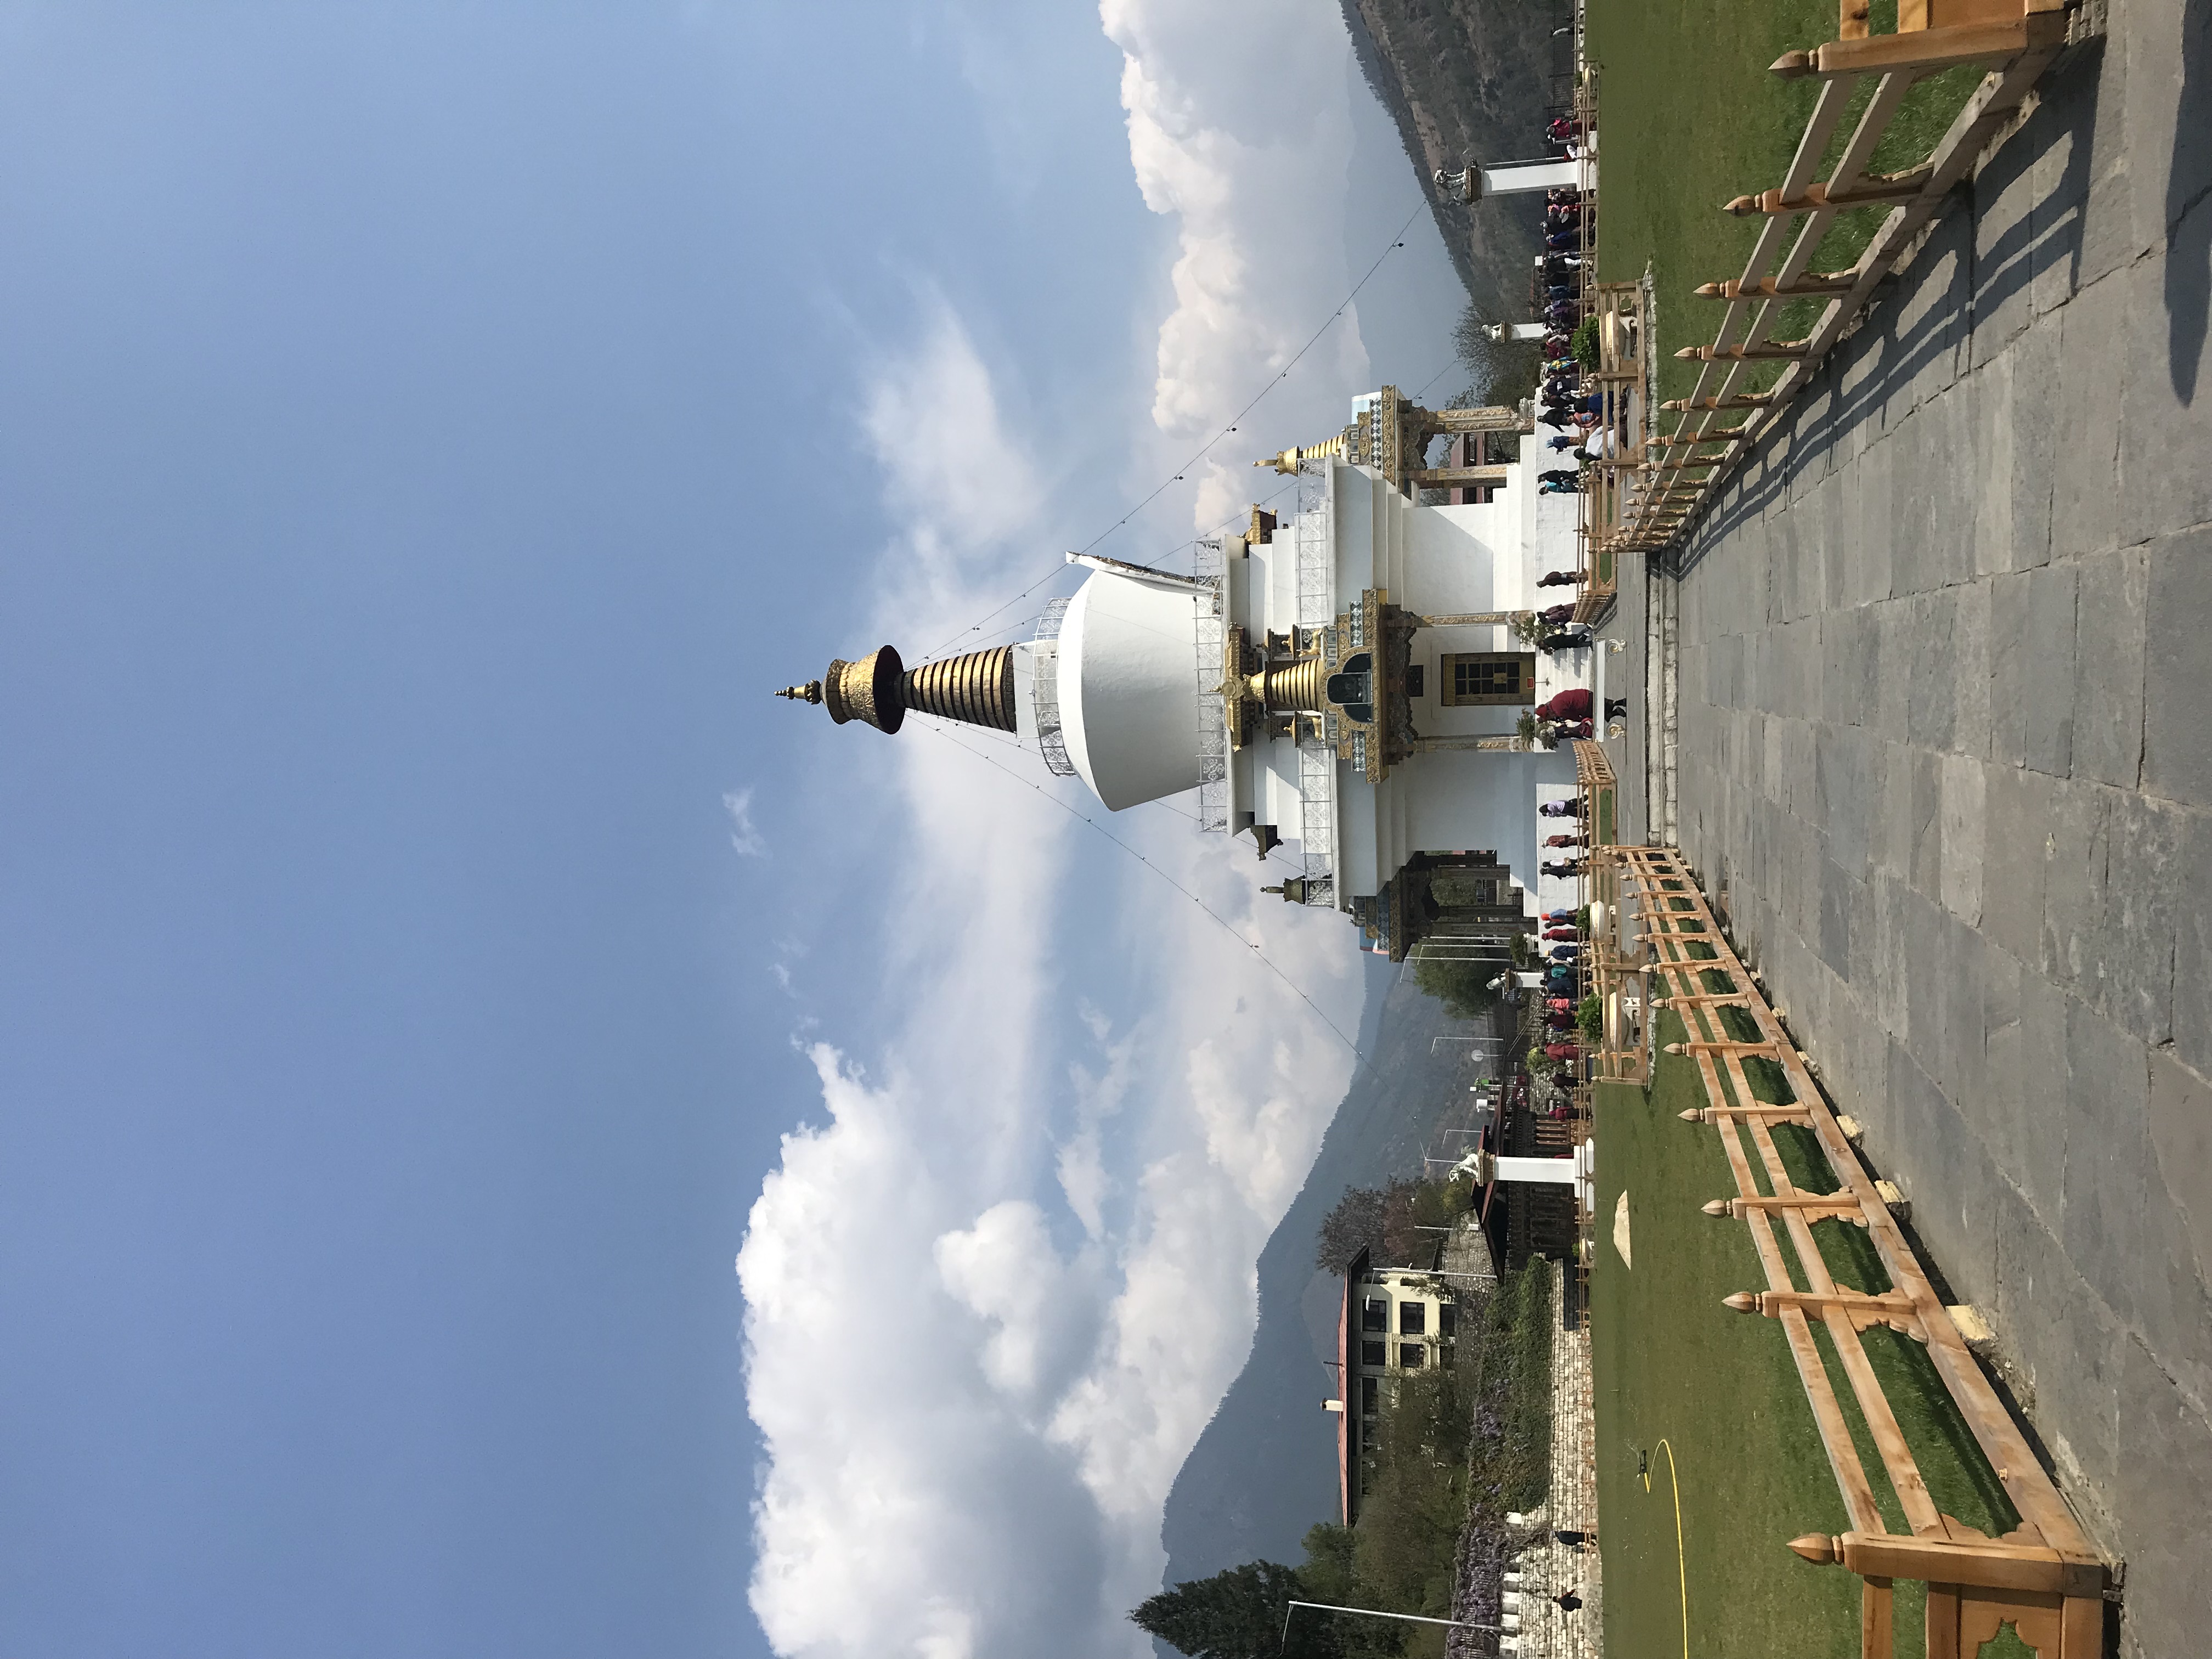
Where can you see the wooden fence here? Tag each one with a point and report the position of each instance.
(2043, 1579)
(1721, 419)
(1619, 381)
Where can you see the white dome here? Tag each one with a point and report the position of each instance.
(1128, 689)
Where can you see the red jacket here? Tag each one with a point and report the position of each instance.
(1570, 705)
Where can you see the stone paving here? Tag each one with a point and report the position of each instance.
(1546, 1567)
(1945, 682)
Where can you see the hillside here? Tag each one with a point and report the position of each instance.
(1466, 79)
(1265, 1468)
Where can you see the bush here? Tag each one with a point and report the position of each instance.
(1589, 1019)
(1584, 345)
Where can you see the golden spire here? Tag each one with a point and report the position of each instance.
(1287, 462)
(976, 687)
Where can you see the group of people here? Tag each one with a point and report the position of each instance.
(1559, 268)
(1568, 715)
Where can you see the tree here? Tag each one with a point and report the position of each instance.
(1355, 1224)
(1331, 1574)
(1498, 371)
(1461, 984)
(1237, 1613)
(1414, 1213)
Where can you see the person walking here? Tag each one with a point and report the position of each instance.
(1559, 579)
(1571, 807)
(1563, 840)
(1571, 704)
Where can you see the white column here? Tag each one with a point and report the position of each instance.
(1552, 1171)
(1514, 177)
(1472, 184)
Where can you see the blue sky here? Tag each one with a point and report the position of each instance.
(430, 960)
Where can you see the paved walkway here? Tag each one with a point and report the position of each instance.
(1945, 679)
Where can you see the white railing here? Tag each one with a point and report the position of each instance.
(1213, 711)
(1318, 820)
(1313, 529)
(1045, 689)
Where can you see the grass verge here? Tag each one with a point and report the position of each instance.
(1720, 1390)
(1690, 117)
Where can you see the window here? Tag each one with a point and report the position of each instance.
(1412, 1318)
(1417, 679)
(1490, 676)
(1375, 1315)
(1374, 1353)
(1370, 1397)
(1410, 1355)
(1448, 1319)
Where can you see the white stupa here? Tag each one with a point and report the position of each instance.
(1348, 677)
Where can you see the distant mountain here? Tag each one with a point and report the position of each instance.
(1467, 79)
(1265, 1468)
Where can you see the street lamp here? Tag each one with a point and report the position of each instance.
(1377, 1613)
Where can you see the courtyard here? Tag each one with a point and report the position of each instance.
(1937, 658)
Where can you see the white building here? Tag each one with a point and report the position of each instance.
(1345, 675)
(1394, 1322)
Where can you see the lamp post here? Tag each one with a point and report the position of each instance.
(1377, 1613)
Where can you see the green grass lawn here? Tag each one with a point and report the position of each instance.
(1690, 116)
(1719, 1390)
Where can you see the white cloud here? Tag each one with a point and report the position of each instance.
(1240, 126)
(738, 804)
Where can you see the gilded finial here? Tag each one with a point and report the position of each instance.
(810, 692)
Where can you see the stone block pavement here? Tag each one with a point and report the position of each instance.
(1544, 1566)
(1945, 682)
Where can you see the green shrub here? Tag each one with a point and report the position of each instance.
(1584, 344)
